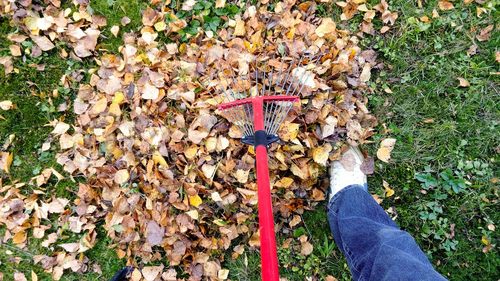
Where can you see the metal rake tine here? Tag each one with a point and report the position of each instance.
(247, 127)
(274, 112)
(288, 108)
(267, 115)
(263, 89)
(272, 106)
(275, 106)
(281, 119)
(249, 115)
(230, 113)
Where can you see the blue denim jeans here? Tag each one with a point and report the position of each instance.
(374, 246)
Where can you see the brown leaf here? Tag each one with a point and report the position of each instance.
(150, 273)
(19, 237)
(15, 50)
(154, 233)
(43, 43)
(485, 33)
(445, 5)
(463, 83)
(306, 248)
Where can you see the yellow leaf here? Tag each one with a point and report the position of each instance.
(320, 154)
(191, 152)
(5, 161)
(284, 182)
(290, 131)
(34, 277)
(122, 176)
(485, 240)
(19, 237)
(386, 147)
(195, 200)
(298, 172)
(326, 27)
(114, 109)
(388, 190)
(99, 106)
(160, 26)
(239, 29)
(118, 98)
(158, 159)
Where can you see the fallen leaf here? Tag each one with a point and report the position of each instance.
(43, 43)
(208, 170)
(320, 154)
(485, 33)
(463, 83)
(6, 105)
(19, 276)
(114, 30)
(150, 92)
(388, 190)
(187, 5)
(366, 73)
(70, 247)
(6, 159)
(306, 248)
(121, 176)
(150, 273)
(60, 128)
(386, 147)
(19, 237)
(327, 27)
(154, 233)
(242, 175)
(15, 50)
(195, 200)
(223, 274)
(445, 5)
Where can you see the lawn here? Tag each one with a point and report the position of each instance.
(444, 168)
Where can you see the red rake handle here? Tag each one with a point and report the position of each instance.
(268, 255)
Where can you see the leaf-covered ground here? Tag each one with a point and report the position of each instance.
(436, 94)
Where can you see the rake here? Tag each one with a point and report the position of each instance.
(258, 103)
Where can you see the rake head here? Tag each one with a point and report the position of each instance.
(260, 100)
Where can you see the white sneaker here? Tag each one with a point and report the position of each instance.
(346, 171)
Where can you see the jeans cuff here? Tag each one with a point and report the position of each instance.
(338, 194)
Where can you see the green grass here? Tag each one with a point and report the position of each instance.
(422, 64)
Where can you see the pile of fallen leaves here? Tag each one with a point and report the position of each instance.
(165, 173)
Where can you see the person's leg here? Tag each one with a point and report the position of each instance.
(374, 246)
